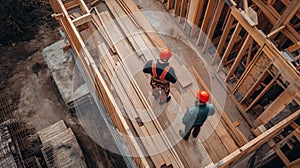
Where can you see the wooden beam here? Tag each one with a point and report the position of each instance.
(272, 33)
(256, 142)
(239, 57)
(223, 38)
(82, 19)
(71, 4)
(213, 25)
(262, 93)
(286, 3)
(294, 47)
(183, 10)
(197, 18)
(170, 4)
(273, 16)
(177, 7)
(208, 14)
(288, 13)
(276, 107)
(230, 45)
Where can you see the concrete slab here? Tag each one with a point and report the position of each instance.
(62, 66)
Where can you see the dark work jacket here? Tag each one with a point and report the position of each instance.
(197, 114)
(171, 76)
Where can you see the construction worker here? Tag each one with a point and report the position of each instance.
(161, 76)
(195, 116)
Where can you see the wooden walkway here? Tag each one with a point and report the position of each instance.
(121, 40)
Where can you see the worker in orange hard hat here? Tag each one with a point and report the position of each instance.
(161, 76)
(195, 116)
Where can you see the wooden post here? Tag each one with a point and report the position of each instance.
(208, 14)
(223, 38)
(213, 25)
(239, 57)
(196, 19)
(230, 45)
(288, 13)
(170, 4)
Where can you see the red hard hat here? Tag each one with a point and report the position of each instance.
(165, 54)
(203, 96)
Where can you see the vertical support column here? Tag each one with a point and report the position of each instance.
(223, 38)
(183, 10)
(208, 13)
(213, 25)
(177, 7)
(196, 19)
(239, 57)
(230, 45)
(170, 4)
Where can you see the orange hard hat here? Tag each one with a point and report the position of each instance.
(165, 54)
(203, 96)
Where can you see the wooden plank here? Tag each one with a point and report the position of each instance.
(82, 19)
(183, 79)
(131, 112)
(71, 4)
(149, 124)
(258, 141)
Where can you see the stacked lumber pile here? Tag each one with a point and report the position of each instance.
(59, 145)
(121, 40)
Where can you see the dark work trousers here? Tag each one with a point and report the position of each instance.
(188, 130)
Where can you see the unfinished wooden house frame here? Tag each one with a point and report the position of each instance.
(258, 61)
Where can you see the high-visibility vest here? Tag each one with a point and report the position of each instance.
(163, 74)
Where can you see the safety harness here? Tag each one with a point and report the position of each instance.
(163, 74)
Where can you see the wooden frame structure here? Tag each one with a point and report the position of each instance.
(242, 46)
(256, 53)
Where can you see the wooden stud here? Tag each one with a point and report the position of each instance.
(288, 13)
(239, 57)
(205, 23)
(196, 18)
(223, 38)
(170, 4)
(230, 45)
(213, 25)
(177, 7)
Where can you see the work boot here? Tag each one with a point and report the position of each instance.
(181, 133)
(165, 101)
